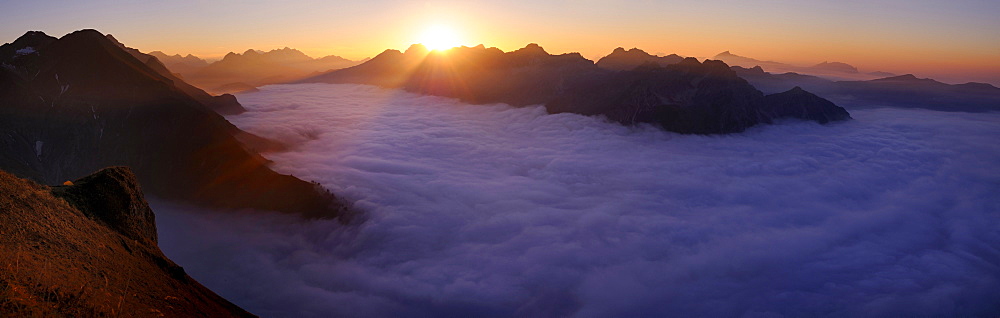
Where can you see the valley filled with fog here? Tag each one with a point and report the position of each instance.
(491, 210)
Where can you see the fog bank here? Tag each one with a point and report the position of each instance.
(489, 210)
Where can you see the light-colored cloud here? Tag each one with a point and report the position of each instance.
(489, 210)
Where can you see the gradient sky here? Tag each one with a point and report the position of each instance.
(954, 41)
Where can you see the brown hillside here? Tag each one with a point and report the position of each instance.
(91, 254)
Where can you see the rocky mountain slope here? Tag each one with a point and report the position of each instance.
(687, 97)
(81, 102)
(225, 104)
(89, 250)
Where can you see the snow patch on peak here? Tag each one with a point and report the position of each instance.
(25, 51)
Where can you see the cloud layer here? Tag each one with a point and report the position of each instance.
(489, 210)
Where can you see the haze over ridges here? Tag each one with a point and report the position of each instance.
(953, 41)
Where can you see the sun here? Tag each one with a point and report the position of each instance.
(439, 38)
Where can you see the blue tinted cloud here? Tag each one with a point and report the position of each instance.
(489, 210)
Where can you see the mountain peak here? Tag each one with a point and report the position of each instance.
(532, 49)
(87, 34)
(902, 78)
(836, 67)
(25, 43)
(416, 48)
(689, 61)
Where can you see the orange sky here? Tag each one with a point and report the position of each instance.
(957, 41)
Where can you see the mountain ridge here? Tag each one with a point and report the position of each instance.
(83, 102)
(678, 97)
(905, 91)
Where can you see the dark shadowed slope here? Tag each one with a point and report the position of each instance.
(225, 104)
(80, 103)
(89, 250)
(686, 97)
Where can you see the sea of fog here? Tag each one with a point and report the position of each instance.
(495, 211)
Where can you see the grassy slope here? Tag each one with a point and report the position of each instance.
(54, 260)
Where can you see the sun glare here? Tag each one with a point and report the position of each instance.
(439, 38)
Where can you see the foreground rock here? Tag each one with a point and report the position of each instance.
(89, 250)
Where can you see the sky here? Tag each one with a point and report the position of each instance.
(500, 211)
(952, 40)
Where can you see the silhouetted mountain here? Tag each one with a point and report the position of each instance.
(82, 102)
(905, 91)
(686, 97)
(835, 67)
(790, 104)
(236, 88)
(775, 83)
(830, 70)
(737, 60)
(180, 64)
(881, 74)
(90, 250)
(390, 68)
(622, 60)
(258, 68)
(224, 104)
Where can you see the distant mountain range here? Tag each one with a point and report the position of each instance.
(687, 96)
(82, 102)
(237, 72)
(225, 104)
(905, 91)
(832, 70)
(180, 64)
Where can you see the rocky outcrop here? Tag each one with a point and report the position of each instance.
(83, 103)
(112, 196)
(90, 251)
